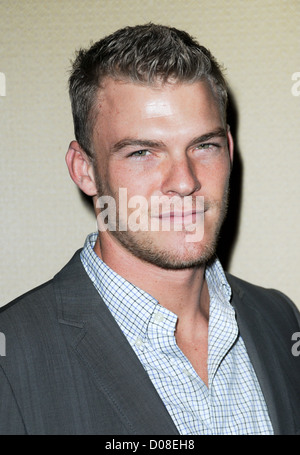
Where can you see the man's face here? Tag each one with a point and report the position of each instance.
(166, 141)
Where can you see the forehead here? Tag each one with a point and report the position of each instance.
(130, 106)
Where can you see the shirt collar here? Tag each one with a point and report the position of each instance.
(134, 308)
(216, 280)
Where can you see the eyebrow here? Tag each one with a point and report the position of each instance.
(130, 142)
(146, 143)
(219, 132)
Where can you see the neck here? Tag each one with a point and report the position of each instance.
(184, 292)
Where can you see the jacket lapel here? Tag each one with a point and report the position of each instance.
(105, 351)
(261, 344)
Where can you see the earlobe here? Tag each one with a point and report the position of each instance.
(81, 169)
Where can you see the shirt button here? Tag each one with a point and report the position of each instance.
(158, 317)
(187, 373)
(139, 342)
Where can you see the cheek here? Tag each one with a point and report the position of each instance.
(217, 176)
(138, 179)
(119, 177)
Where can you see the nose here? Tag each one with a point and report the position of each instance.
(181, 178)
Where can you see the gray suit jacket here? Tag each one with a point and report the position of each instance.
(69, 369)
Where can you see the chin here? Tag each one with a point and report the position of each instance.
(173, 254)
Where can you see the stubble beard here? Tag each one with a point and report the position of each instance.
(144, 247)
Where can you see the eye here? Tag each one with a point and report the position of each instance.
(207, 146)
(140, 153)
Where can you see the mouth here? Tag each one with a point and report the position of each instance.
(179, 217)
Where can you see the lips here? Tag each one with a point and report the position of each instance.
(178, 214)
(187, 217)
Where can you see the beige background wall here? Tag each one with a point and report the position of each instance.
(43, 217)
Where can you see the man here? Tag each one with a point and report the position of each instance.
(142, 332)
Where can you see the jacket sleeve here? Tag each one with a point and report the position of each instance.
(11, 422)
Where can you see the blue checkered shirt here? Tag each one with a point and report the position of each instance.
(233, 403)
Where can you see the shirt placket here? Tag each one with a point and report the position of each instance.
(223, 333)
(192, 394)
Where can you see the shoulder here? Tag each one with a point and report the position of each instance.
(41, 298)
(24, 306)
(27, 323)
(33, 316)
(269, 303)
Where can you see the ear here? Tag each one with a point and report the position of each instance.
(81, 169)
(230, 144)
